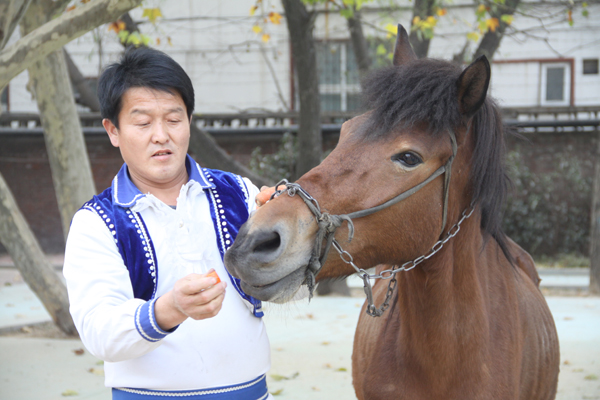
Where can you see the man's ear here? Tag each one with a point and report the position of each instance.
(112, 130)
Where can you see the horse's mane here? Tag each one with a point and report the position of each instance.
(425, 91)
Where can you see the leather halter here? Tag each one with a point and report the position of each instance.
(329, 223)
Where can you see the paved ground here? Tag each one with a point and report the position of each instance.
(311, 348)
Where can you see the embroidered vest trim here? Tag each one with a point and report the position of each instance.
(228, 199)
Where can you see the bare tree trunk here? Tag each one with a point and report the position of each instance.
(69, 162)
(87, 97)
(595, 228)
(29, 258)
(359, 44)
(300, 23)
(491, 40)
(421, 9)
(210, 155)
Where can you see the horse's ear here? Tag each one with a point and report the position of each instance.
(473, 86)
(403, 53)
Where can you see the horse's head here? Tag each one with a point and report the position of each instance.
(421, 112)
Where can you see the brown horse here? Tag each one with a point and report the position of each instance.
(465, 318)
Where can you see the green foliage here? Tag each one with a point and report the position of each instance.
(549, 213)
(278, 165)
(570, 260)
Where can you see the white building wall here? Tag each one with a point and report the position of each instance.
(214, 43)
(233, 70)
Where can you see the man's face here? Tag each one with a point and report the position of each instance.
(153, 136)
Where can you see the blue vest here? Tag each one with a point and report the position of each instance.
(228, 198)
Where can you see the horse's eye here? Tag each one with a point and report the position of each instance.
(407, 159)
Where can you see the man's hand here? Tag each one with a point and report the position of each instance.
(265, 195)
(193, 296)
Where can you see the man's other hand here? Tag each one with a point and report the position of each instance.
(265, 195)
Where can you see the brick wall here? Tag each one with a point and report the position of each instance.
(24, 165)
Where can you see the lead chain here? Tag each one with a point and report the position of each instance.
(391, 273)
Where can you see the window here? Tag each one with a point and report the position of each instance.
(590, 67)
(556, 84)
(339, 82)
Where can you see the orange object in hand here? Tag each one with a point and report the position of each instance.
(213, 274)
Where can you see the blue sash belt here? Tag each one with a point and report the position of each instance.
(252, 390)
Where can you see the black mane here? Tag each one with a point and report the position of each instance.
(425, 92)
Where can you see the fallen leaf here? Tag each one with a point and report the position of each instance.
(277, 377)
(69, 392)
(591, 377)
(78, 352)
(310, 316)
(279, 349)
(277, 392)
(577, 369)
(567, 362)
(568, 318)
(100, 362)
(10, 305)
(96, 371)
(316, 389)
(327, 365)
(325, 343)
(341, 369)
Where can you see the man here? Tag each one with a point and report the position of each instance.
(141, 256)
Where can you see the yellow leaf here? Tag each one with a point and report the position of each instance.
(441, 12)
(507, 19)
(256, 29)
(431, 21)
(473, 36)
(152, 14)
(253, 10)
(481, 8)
(70, 8)
(158, 41)
(265, 37)
(277, 392)
(392, 29)
(169, 41)
(492, 24)
(69, 392)
(416, 20)
(275, 17)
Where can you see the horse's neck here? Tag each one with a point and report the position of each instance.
(443, 305)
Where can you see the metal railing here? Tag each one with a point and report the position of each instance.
(524, 119)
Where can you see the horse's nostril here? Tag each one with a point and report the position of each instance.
(268, 243)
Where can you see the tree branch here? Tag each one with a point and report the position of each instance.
(10, 17)
(58, 32)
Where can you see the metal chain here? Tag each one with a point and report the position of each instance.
(372, 310)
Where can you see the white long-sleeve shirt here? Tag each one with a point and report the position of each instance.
(227, 349)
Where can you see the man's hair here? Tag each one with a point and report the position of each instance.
(142, 67)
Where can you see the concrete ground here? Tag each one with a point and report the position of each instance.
(311, 349)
